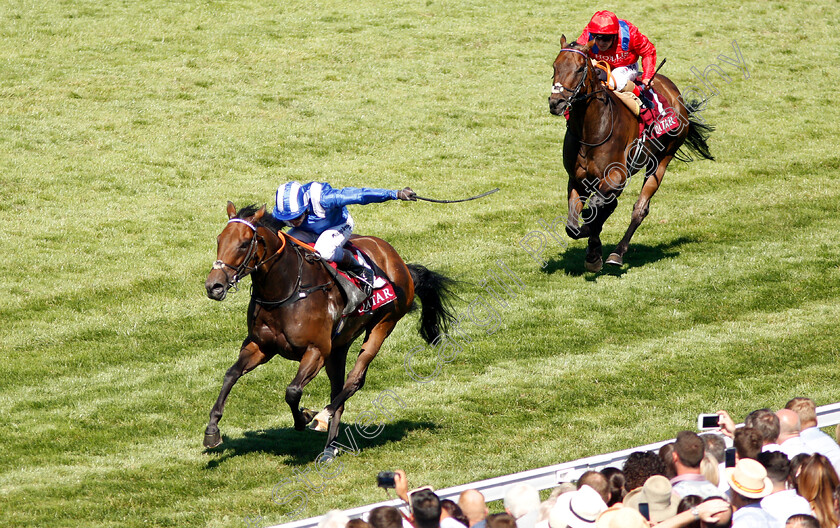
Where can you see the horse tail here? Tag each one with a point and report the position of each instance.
(698, 135)
(435, 293)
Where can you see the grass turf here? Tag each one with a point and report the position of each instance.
(128, 126)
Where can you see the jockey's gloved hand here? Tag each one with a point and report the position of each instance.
(407, 194)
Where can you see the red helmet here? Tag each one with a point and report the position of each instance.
(603, 23)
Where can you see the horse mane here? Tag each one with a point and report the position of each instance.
(267, 219)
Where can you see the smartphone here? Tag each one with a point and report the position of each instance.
(644, 510)
(730, 457)
(707, 422)
(385, 479)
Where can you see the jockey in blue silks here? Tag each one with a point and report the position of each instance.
(318, 214)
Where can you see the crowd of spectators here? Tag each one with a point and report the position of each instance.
(781, 473)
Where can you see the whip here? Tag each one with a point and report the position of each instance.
(482, 195)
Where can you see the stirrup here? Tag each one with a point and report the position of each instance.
(364, 275)
(365, 281)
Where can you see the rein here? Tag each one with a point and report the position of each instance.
(576, 97)
(243, 270)
(297, 293)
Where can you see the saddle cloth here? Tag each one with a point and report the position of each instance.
(660, 119)
(383, 291)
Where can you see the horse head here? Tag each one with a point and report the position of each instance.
(237, 251)
(573, 78)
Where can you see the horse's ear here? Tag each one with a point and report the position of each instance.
(563, 41)
(259, 214)
(231, 209)
(589, 46)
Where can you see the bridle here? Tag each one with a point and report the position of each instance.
(244, 269)
(558, 88)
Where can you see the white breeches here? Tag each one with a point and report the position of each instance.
(620, 76)
(328, 244)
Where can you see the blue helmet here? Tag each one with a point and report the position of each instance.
(291, 201)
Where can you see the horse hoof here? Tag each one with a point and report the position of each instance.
(321, 422)
(212, 440)
(328, 455)
(594, 267)
(615, 260)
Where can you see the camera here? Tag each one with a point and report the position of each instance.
(385, 479)
(707, 422)
(730, 457)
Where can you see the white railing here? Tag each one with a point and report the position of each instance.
(545, 477)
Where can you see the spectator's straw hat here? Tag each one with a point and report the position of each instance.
(621, 517)
(749, 478)
(577, 509)
(657, 493)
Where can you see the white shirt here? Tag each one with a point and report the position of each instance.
(450, 522)
(771, 447)
(794, 446)
(823, 444)
(783, 504)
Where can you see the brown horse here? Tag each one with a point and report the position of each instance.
(601, 151)
(295, 312)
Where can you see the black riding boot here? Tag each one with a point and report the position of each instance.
(365, 275)
(646, 101)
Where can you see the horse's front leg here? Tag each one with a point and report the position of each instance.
(356, 379)
(250, 356)
(310, 364)
(573, 227)
(325, 422)
(601, 206)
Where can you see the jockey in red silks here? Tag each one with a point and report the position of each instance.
(619, 43)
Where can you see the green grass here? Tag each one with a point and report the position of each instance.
(127, 126)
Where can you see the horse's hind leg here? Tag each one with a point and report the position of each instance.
(640, 210)
(250, 356)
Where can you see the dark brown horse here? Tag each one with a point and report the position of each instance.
(601, 151)
(295, 312)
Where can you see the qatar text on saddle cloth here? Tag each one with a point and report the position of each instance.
(383, 292)
(660, 119)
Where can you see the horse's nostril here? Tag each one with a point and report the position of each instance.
(215, 290)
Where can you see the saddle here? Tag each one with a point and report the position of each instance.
(660, 119)
(358, 303)
(382, 293)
